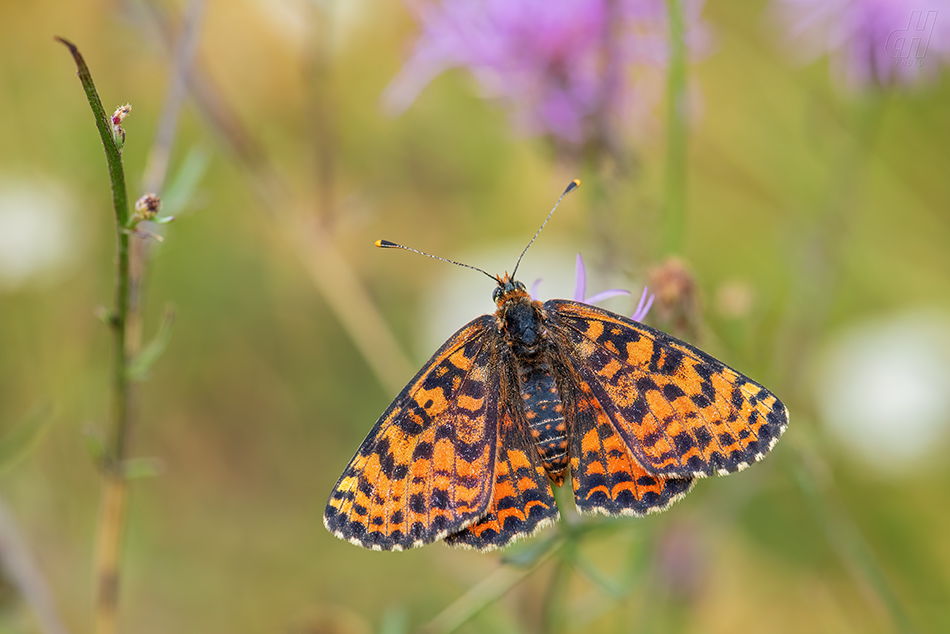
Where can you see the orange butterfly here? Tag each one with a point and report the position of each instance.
(468, 450)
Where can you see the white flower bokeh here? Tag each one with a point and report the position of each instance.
(883, 389)
(39, 235)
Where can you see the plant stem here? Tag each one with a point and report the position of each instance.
(674, 216)
(852, 548)
(21, 570)
(112, 510)
(484, 593)
(185, 49)
(553, 608)
(331, 272)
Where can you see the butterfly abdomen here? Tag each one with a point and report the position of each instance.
(523, 330)
(545, 416)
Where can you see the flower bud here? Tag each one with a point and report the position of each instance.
(677, 298)
(118, 134)
(146, 207)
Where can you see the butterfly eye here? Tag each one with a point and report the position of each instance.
(496, 294)
(519, 286)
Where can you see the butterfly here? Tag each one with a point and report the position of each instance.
(515, 400)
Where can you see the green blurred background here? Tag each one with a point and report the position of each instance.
(818, 224)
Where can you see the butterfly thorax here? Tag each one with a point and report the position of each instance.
(521, 320)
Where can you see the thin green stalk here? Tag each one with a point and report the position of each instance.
(118, 430)
(554, 609)
(112, 511)
(113, 156)
(23, 574)
(156, 166)
(483, 594)
(328, 268)
(849, 543)
(674, 215)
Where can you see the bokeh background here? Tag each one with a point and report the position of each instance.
(813, 257)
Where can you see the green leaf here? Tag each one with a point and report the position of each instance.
(139, 367)
(181, 189)
(135, 468)
(601, 580)
(395, 620)
(106, 316)
(94, 444)
(104, 125)
(19, 441)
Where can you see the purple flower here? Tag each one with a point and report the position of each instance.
(580, 290)
(643, 306)
(882, 42)
(562, 66)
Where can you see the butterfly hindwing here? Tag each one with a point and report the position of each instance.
(425, 469)
(679, 411)
(459, 453)
(606, 477)
(522, 502)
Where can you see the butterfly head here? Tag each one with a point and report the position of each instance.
(508, 289)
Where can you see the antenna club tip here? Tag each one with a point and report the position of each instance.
(384, 243)
(573, 185)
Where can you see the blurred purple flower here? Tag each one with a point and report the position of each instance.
(563, 66)
(881, 42)
(580, 290)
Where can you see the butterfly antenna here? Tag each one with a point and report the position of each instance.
(386, 244)
(573, 185)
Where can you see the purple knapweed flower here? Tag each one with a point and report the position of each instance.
(564, 67)
(870, 42)
(643, 306)
(580, 290)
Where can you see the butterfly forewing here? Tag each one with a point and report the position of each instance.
(462, 452)
(425, 470)
(680, 412)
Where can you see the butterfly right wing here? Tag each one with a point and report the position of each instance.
(425, 470)
(680, 412)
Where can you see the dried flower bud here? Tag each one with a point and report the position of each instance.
(118, 134)
(676, 298)
(146, 207)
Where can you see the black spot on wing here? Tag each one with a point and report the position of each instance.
(423, 451)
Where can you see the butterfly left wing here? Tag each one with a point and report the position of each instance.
(425, 469)
(679, 411)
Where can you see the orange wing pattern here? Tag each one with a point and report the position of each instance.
(607, 478)
(454, 455)
(680, 412)
(522, 502)
(425, 470)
